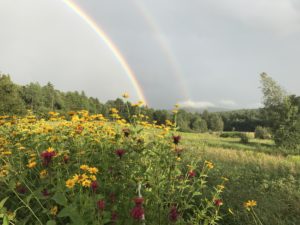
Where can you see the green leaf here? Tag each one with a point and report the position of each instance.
(3, 202)
(5, 220)
(51, 222)
(60, 199)
(71, 212)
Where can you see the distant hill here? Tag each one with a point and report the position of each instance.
(209, 109)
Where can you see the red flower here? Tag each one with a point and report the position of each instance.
(138, 201)
(120, 152)
(66, 159)
(47, 156)
(112, 197)
(79, 129)
(218, 202)
(45, 192)
(192, 173)
(137, 213)
(101, 204)
(114, 216)
(94, 186)
(21, 189)
(173, 214)
(176, 139)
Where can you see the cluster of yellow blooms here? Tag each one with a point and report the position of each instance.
(4, 171)
(84, 179)
(209, 164)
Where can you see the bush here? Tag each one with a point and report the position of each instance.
(233, 134)
(244, 138)
(262, 133)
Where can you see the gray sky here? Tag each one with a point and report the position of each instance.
(197, 52)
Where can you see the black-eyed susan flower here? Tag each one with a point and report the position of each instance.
(70, 183)
(250, 204)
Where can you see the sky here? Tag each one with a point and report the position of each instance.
(198, 53)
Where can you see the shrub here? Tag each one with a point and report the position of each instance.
(262, 133)
(233, 134)
(244, 138)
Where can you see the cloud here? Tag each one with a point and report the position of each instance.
(228, 102)
(281, 16)
(196, 104)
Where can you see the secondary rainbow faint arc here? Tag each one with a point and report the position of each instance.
(116, 52)
(165, 47)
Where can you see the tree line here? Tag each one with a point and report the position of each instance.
(17, 99)
(280, 113)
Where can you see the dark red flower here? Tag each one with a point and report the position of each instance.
(120, 152)
(176, 139)
(94, 186)
(173, 214)
(66, 159)
(101, 204)
(218, 202)
(45, 192)
(114, 216)
(192, 173)
(21, 189)
(112, 197)
(138, 201)
(137, 213)
(47, 156)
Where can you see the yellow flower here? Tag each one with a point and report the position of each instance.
(250, 204)
(221, 187)
(31, 164)
(125, 95)
(114, 111)
(75, 177)
(93, 177)
(225, 178)
(93, 170)
(86, 183)
(50, 149)
(54, 210)
(70, 183)
(80, 178)
(43, 174)
(6, 153)
(209, 164)
(3, 173)
(84, 167)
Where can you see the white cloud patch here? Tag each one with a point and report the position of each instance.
(228, 102)
(196, 104)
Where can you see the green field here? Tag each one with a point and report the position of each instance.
(256, 171)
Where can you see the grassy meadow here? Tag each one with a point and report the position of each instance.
(256, 170)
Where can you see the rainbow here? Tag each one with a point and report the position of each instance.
(165, 47)
(110, 44)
